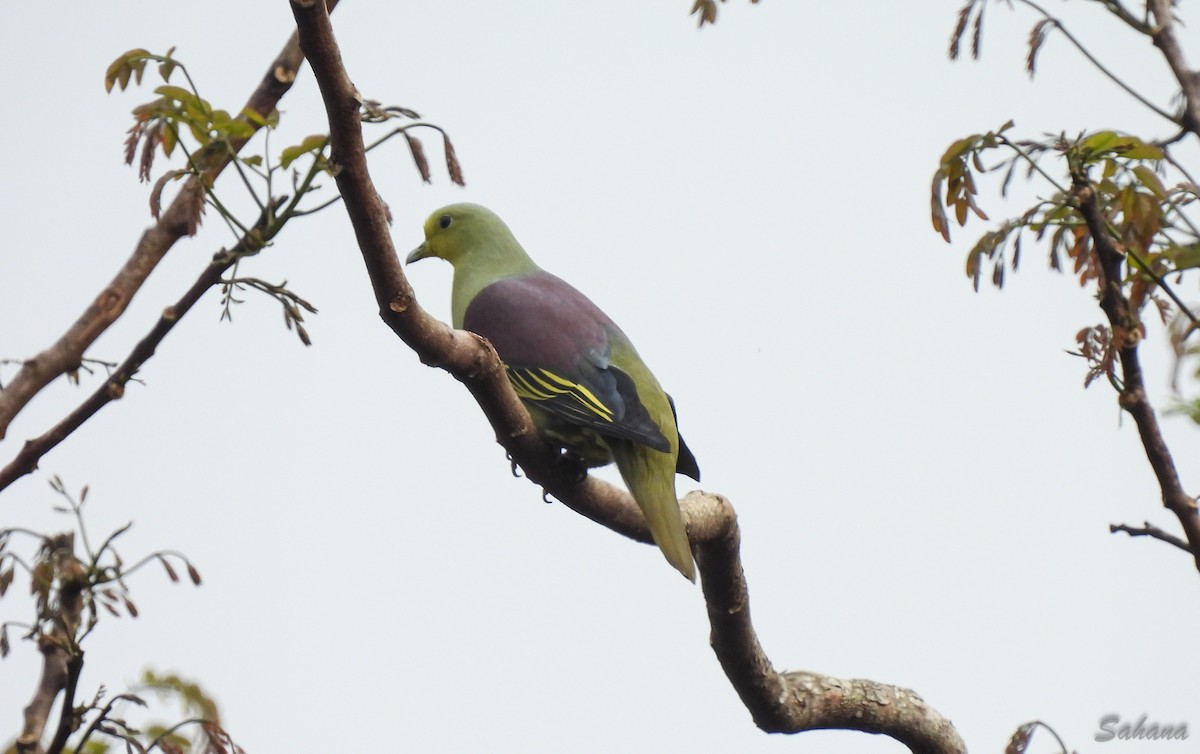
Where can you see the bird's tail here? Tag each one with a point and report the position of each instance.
(650, 476)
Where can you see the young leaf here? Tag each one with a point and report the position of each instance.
(452, 164)
(1150, 180)
(174, 577)
(132, 63)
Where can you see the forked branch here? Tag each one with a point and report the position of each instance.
(66, 354)
(778, 702)
(1125, 331)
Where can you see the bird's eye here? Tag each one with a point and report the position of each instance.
(444, 221)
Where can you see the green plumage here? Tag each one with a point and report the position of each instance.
(585, 385)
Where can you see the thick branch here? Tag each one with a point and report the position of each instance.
(54, 679)
(61, 658)
(114, 386)
(1133, 390)
(795, 701)
(66, 354)
(1189, 81)
(778, 702)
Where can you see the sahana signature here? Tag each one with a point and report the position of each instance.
(1111, 728)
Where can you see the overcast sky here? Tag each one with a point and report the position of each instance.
(923, 486)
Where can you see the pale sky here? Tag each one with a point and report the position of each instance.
(923, 486)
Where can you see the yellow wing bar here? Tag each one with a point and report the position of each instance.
(544, 385)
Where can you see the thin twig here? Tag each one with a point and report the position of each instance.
(1150, 530)
(1100, 66)
(113, 388)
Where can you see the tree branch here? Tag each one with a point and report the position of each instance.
(1152, 531)
(1119, 12)
(113, 387)
(67, 352)
(1133, 391)
(1189, 81)
(61, 657)
(54, 679)
(791, 702)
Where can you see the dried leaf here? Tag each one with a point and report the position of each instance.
(418, 155)
(941, 223)
(170, 571)
(1020, 739)
(196, 208)
(193, 574)
(131, 141)
(1165, 308)
(1036, 37)
(964, 15)
(707, 9)
(452, 165)
(977, 33)
(150, 141)
(157, 189)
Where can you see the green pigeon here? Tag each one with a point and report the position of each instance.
(585, 386)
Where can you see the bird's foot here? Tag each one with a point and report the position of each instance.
(512, 462)
(575, 464)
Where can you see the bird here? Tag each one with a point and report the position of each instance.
(585, 386)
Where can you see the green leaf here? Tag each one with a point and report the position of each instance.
(177, 93)
(169, 140)
(1100, 142)
(956, 150)
(253, 116)
(128, 64)
(290, 155)
(1133, 148)
(1150, 180)
(1142, 151)
(314, 144)
(240, 129)
(1184, 257)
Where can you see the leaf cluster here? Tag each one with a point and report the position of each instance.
(71, 581)
(213, 136)
(1145, 202)
(72, 584)
(707, 11)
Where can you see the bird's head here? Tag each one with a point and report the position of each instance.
(460, 232)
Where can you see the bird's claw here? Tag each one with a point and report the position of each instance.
(575, 464)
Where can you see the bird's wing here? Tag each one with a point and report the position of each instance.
(556, 347)
(685, 463)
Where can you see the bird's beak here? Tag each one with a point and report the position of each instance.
(416, 254)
